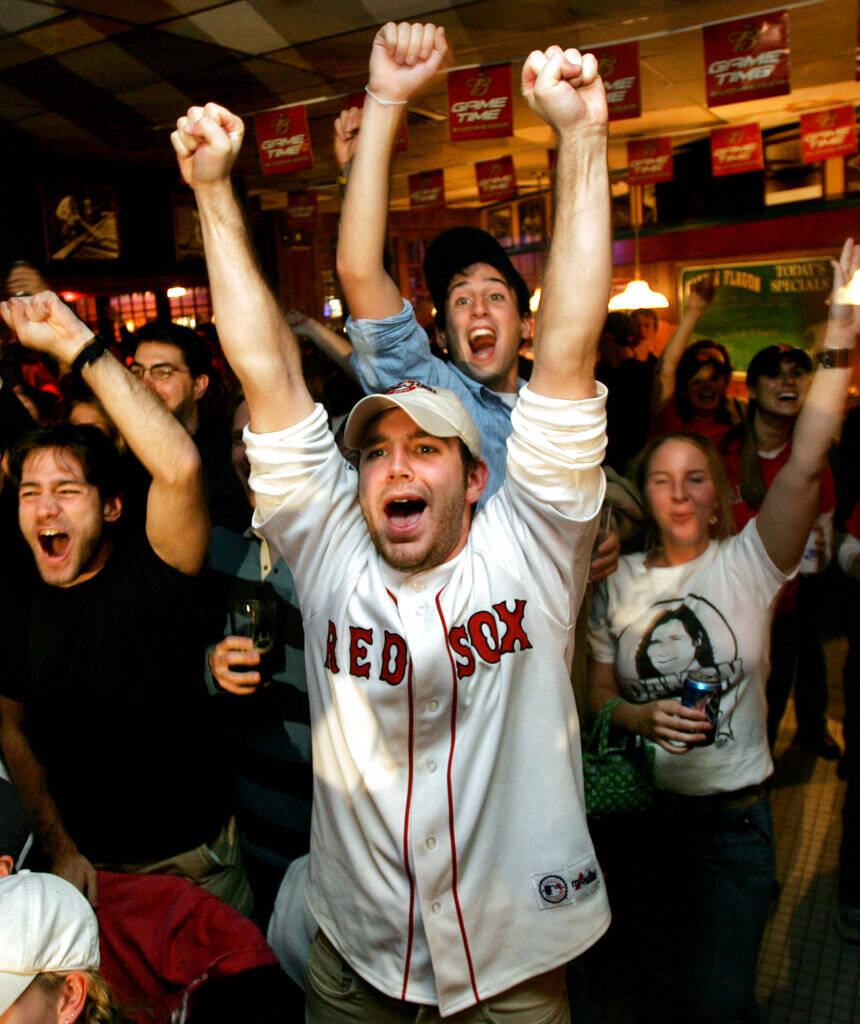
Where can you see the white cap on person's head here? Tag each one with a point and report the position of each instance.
(436, 410)
(46, 925)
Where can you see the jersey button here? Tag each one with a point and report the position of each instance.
(431, 766)
(432, 705)
(430, 842)
(436, 907)
(421, 608)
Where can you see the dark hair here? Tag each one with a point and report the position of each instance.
(725, 525)
(704, 652)
(646, 313)
(95, 452)
(693, 359)
(766, 362)
(453, 251)
(189, 342)
(620, 326)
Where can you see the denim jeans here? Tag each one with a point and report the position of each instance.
(710, 887)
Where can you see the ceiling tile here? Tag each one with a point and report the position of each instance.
(238, 26)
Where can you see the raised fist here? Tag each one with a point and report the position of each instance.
(45, 323)
(563, 88)
(346, 135)
(404, 58)
(207, 141)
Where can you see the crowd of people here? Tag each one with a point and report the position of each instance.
(275, 668)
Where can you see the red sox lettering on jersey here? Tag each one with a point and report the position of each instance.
(486, 636)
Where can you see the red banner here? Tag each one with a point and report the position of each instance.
(619, 68)
(479, 103)
(747, 59)
(649, 161)
(827, 133)
(736, 149)
(283, 140)
(426, 189)
(302, 210)
(401, 142)
(497, 180)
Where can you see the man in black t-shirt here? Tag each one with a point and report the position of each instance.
(104, 719)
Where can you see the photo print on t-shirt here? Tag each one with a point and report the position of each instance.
(660, 648)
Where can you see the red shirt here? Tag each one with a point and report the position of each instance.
(668, 421)
(742, 512)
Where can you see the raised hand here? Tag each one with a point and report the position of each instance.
(404, 58)
(207, 141)
(564, 88)
(45, 323)
(845, 313)
(346, 135)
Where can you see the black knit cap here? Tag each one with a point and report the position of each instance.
(457, 249)
(766, 362)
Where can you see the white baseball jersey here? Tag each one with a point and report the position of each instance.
(450, 857)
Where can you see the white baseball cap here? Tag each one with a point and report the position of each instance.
(436, 410)
(45, 925)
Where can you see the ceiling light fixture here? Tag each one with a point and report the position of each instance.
(637, 294)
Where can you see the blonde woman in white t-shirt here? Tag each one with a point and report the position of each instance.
(697, 595)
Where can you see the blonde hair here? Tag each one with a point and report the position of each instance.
(725, 524)
(99, 1007)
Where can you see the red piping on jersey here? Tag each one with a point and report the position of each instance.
(393, 598)
(406, 836)
(451, 801)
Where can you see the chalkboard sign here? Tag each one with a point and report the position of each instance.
(763, 303)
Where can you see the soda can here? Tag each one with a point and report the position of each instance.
(702, 691)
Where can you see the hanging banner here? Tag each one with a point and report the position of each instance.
(497, 180)
(426, 189)
(618, 66)
(401, 141)
(283, 140)
(302, 210)
(736, 149)
(827, 133)
(479, 103)
(649, 161)
(747, 59)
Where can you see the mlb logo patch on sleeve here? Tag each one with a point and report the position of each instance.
(567, 885)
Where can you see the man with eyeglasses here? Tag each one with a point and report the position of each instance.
(105, 723)
(174, 364)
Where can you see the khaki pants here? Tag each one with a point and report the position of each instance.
(216, 867)
(335, 994)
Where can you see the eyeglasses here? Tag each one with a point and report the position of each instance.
(161, 371)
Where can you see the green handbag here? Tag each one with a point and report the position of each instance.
(620, 778)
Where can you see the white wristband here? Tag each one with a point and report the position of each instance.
(385, 103)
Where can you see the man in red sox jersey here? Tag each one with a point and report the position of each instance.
(450, 864)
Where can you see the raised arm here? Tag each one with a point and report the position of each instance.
(253, 332)
(791, 504)
(403, 59)
(329, 342)
(177, 523)
(701, 293)
(564, 89)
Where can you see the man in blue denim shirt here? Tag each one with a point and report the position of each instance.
(483, 315)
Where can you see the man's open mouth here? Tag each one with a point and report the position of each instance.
(404, 514)
(54, 544)
(482, 341)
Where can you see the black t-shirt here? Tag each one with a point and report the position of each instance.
(628, 407)
(111, 675)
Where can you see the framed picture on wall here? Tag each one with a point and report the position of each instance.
(187, 237)
(500, 224)
(532, 221)
(81, 222)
